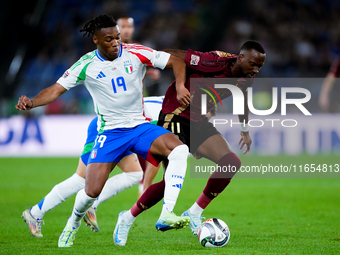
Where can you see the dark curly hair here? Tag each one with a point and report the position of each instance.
(99, 22)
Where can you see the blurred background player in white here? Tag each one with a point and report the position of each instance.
(117, 97)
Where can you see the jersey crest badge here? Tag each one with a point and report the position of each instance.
(128, 66)
(66, 74)
(94, 153)
(194, 60)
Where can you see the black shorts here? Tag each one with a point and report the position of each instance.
(184, 129)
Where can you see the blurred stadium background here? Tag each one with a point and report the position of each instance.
(41, 39)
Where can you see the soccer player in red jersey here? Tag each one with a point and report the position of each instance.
(187, 121)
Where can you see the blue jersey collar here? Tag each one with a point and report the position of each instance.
(103, 59)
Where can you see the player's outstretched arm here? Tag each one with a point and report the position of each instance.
(45, 96)
(178, 53)
(178, 66)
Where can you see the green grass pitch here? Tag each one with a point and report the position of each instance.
(265, 215)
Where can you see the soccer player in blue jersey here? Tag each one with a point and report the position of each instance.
(113, 74)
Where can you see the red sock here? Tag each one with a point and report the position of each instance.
(150, 197)
(203, 201)
(218, 181)
(142, 163)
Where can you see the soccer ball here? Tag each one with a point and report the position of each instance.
(213, 233)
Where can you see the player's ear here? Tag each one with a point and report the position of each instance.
(95, 39)
(240, 58)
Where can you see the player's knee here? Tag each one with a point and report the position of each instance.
(227, 166)
(230, 159)
(92, 191)
(237, 161)
(180, 152)
(134, 177)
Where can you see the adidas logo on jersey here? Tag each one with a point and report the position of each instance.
(100, 75)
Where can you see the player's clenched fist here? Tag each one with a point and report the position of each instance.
(24, 103)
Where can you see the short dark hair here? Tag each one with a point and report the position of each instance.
(249, 45)
(99, 22)
(126, 17)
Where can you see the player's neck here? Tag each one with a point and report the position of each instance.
(105, 57)
(234, 69)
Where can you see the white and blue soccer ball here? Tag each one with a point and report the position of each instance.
(213, 233)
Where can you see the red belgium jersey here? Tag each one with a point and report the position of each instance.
(214, 64)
